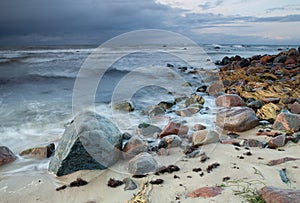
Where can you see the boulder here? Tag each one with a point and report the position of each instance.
(287, 121)
(147, 130)
(215, 88)
(280, 59)
(90, 142)
(134, 146)
(279, 195)
(237, 119)
(229, 100)
(175, 128)
(141, 164)
(187, 112)
(6, 155)
(170, 141)
(202, 137)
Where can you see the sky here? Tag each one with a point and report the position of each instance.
(61, 22)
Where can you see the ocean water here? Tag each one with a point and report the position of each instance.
(37, 87)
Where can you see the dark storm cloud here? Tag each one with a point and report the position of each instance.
(54, 19)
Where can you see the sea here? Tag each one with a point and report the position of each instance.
(38, 87)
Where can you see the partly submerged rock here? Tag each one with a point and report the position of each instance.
(124, 106)
(194, 99)
(39, 152)
(90, 142)
(147, 130)
(6, 155)
(237, 119)
(155, 111)
(279, 195)
(187, 112)
(287, 121)
(230, 100)
(141, 164)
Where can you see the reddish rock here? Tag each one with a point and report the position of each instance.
(237, 119)
(6, 155)
(276, 142)
(280, 161)
(266, 59)
(278, 195)
(39, 152)
(287, 121)
(174, 128)
(230, 100)
(205, 192)
(134, 146)
(295, 108)
(290, 61)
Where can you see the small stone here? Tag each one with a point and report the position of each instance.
(199, 127)
(171, 141)
(147, 130)
(254, 143)
(124, 106)
(79, 182)
(287, 121)
(6, 155)
(194, 99)
(202, 137)
(155, 111)
(141, 164)
(276, 142)
(202, 88)
(273, 194)
(229, 100)
(134, 146)
(187, 112)
(129, 184)
(295, 108)
(156, 182)
(175, 128)
(39, 152)
(166, 104)
(205, 192)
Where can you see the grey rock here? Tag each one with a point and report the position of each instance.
(155, 111)
(287, 121)
(129, 184)
(187, 112)
(141, 164)
(90, 142)
(170, 141)
(148, 130)
(237, 119)
(202, 137)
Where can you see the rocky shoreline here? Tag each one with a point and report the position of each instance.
(258, 96)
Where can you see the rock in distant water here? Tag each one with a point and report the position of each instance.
(40, 152)
(6, 155)
(141, 164)
(90, 142)
(287, 121)
(134, 146)
(237, 119)
(230, 100)
(278, 195)
(124, 106)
